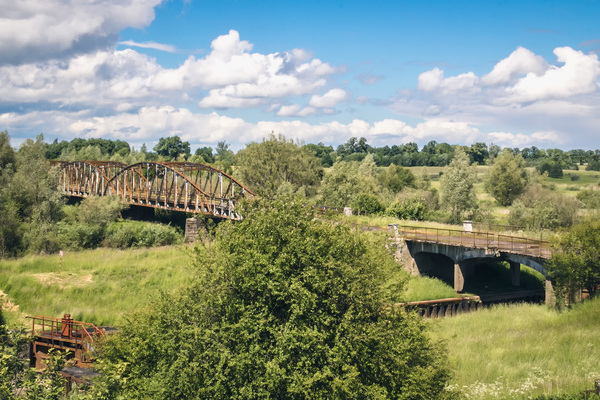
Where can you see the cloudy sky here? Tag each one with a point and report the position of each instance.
(512, 73)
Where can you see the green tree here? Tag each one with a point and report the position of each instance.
(267, 165)
(286, 306)
(206, 153)
(33, 197)
(172, 148)
(7, 153)
(346, 180)
(507, 178)
(457, 186)
(395, 178)
(575, 264)
(553, 168)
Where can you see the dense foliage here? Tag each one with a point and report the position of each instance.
(278, 165)
(541, 208)
(285, 306)
(507, 178)
(458, 187)
(575, 264)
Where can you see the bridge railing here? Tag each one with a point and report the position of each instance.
(482, 240)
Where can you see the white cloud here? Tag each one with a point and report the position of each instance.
(150, 45)
(38, 30)
(578, 75)
(329, 99)
(295, 110)
(462, 84)
(234, 77)
(520, 62)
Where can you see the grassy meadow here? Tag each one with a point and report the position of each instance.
(98, 286)
(521, 350)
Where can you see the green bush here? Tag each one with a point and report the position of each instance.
(553, 168)
(413, 209)
(367, 203)
(590, 198)
(125, 234)
(540, 208)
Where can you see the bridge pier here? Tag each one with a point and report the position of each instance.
(192, 227)
(515, 273)
(459, 278)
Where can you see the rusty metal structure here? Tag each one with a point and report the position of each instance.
(78, 338)
(178, 186)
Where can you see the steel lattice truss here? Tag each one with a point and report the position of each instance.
(188, 187)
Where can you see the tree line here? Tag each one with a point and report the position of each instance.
(361, 177)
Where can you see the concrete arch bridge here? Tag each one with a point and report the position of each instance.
(178, 186)
(454, 254)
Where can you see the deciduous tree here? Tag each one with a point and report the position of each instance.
(265, 166)
(507, 178)
(458, 186)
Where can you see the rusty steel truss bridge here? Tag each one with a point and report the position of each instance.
(178, 186)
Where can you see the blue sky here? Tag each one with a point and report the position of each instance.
(513, 73)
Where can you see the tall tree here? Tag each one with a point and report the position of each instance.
(507, 178)
(458, 186)
(172, 148)
(575, 264)
(286, 306)
(276, 161)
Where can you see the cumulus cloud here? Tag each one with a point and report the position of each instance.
(520, 62)
(38, 30)
(295, 110)
(578, 75)
(233, 76)
(434, 81)
(551, 105)
(329, 99)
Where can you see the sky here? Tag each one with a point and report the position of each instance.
(511, 73)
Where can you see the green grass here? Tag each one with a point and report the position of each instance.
(421, 288)
(98, 286)
(518, 351)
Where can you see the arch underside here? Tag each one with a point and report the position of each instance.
(187, 187)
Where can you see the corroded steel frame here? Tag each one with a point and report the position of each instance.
(86, 178)
(188, 187)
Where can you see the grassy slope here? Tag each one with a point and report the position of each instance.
(97, 286)
(511, 351)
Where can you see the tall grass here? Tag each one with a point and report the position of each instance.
(519, 351)
(98, 286)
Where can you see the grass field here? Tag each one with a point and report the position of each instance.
(519, 351)
(98, 286)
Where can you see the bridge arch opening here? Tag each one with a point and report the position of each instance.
(435, 266)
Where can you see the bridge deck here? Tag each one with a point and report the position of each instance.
(479, 240)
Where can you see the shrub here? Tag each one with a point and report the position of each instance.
(414, 209)
(553, 168)
(367, 203)
(540, 208)
(125, 234)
